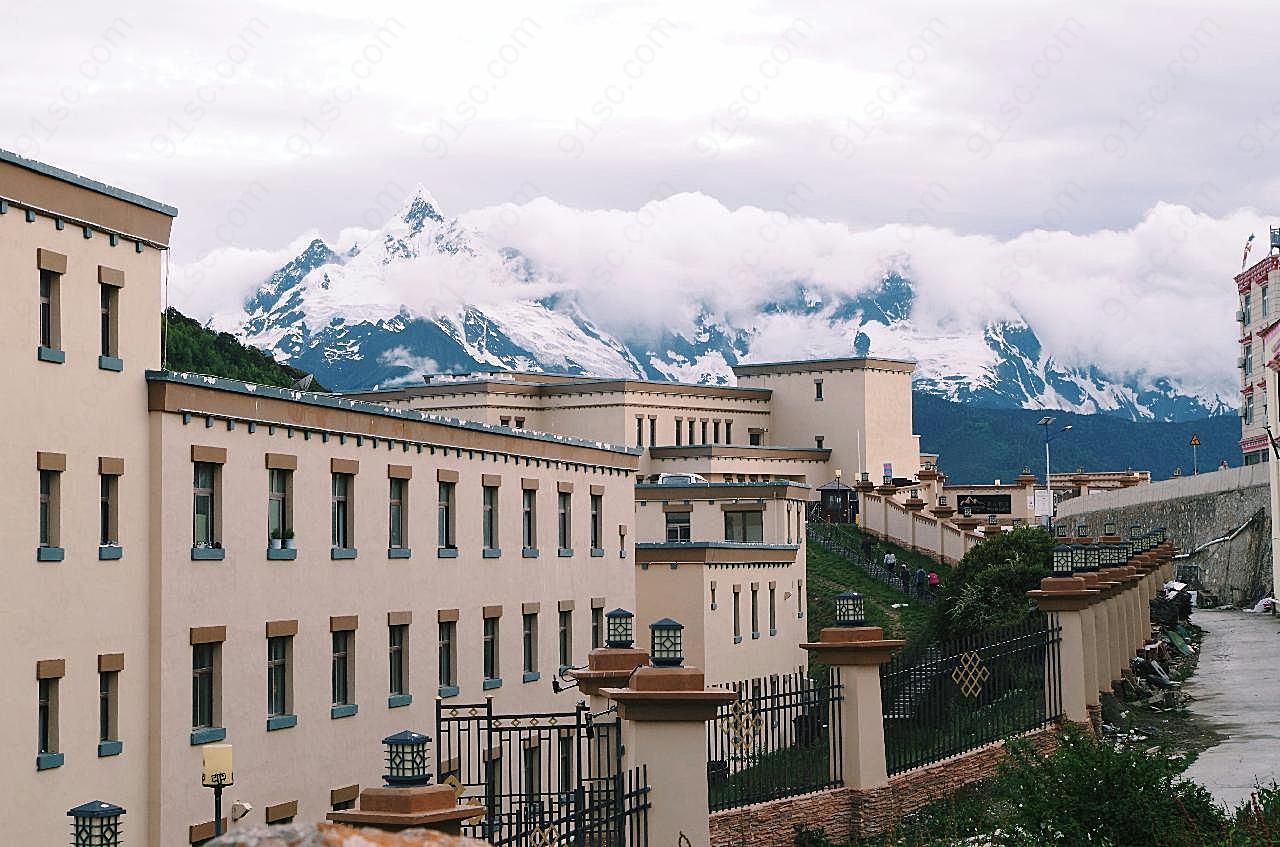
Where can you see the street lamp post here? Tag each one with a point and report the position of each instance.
(1046, 422)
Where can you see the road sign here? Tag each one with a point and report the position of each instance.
(1195, 441)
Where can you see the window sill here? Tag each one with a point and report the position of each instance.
(49, 354)
(564, 552)
(755, 636)
(345, 710)
(395, 701)
(493, 552)
(46, 761)
(772, 633)
(207, 554)
(342, 553)
(490, 684)
(110, 363)
(49, 554)
(110, 552)
(529, 552)
(281, 722)
(597, 552)
(446, 552)
(399, 553)
(531, 676)
(737, 639)
(799, 616)
(282, 553)
(447, 691)
(715, 606)
(208, 734)
(110, 748)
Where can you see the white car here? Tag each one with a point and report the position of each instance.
(680, 479)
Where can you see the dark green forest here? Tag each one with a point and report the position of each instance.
(192, 347)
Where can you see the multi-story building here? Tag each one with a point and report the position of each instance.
(208, 561)
(1257, 286)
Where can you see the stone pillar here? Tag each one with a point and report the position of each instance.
(1066, 599)
(1089, 625)
(1102, 633)
(419, 807)
(1114, 652)
(858, 652)
(607, 667)
(664, 714)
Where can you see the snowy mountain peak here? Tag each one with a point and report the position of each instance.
(424, 293)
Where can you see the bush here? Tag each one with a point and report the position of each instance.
(988, 589)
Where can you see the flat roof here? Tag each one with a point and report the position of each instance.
(684, 486)
(332, 401)
(86, 183)
(560, 384)
(836, 364)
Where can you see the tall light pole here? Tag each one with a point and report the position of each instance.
(1047, 422)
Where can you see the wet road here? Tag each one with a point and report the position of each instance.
(1236, 691)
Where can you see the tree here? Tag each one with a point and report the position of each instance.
(989, 587)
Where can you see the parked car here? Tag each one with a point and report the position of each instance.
(680, 479)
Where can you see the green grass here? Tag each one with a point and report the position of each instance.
(779, 773)
(829, 575)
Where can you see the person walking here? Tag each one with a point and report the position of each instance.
(867, 549)
(922, 579)
(933, 580)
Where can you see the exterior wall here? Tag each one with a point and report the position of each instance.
(864, 416)
(246, 590)
(1021, 500)
(80, 607)
(1261, 284)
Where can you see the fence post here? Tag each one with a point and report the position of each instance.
(1065, 599)
(858, 652)
(664, 714)
(1111, 587)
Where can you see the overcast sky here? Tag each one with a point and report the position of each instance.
(263, 120)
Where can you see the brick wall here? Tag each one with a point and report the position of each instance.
(844, 812)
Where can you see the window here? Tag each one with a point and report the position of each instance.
(679, 432)
(49, 522)
(1247, 308)
(446, 525)
(653, 431)
(530, 519)
(279, 684)
(755, 611)
(341, 511)
(597, 627)
(566, 637)
(678, 528)
(639, 431)
(532, 765)
(50, 322)
(108, 706)
(397, 636)
(728, 432)
(737, 614)
(107, 510)
(448, 654)
(704, 433)
(505, 420)
(744, 526)
(205, 519)
(491, 667)
(279, 513)
(530, 642)
(47, 712)
(204, 660)
(597, 533)
(1266, 307)
(1248, 411)
(565, 520)
(773, 609)
(489, 519)
(713, 595)
(519, 423)
(818, 440)
(755, 439)
(1248, 359)
(817, 389)
(715, 431)
(566, 751)
(799, 599)
(342, 658)
(109, 345)
(690, 430)
(395, 513)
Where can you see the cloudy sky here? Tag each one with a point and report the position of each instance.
(1134, 137)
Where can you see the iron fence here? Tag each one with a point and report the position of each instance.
(948, 698)
(781, 737)
(842, 541)
(542, 778)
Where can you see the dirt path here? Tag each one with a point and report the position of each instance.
(1236, 691)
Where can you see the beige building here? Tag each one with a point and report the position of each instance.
(1257, 288)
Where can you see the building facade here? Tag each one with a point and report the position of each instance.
(1257, 288)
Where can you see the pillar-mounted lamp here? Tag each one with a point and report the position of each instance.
(1109, 528)
(1062, 560)
(1161, 535)
(619, 629)
(1082, 530)
(968, 511)
(1093, 557)
(1078, 557)
(993, 520)
(866, 476)
(942, 501)
(666, 643)
(850, 609)
(95, 824)
(888, 480)
(1135, 530)
(915, 494)
(407, 759)
(1061, 530)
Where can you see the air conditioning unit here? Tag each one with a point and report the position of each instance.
(1240, 316)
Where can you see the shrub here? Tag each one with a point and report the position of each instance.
(988, 589)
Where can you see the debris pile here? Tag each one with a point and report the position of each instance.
(1155, 675)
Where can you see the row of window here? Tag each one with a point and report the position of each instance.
(50, 320)
(755, 608)
(49, 532)
(206, 673)
(692, 431)
(743, 526)
(280, 482)
(1246, 305)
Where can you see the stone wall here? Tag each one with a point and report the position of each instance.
(845, 812)
(1196, 510)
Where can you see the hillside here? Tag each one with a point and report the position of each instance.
(980, 444)
(192, 347)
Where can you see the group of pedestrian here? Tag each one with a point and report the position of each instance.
(912, 584)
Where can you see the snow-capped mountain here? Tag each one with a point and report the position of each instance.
(425, 294)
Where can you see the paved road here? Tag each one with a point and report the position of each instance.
(1236, 690)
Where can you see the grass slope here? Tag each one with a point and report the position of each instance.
(829, 575)
(978, 445)
(192, 347)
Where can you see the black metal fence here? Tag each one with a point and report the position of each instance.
(781, 737)
(955, 696)
(542, 778)
(843, 541)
